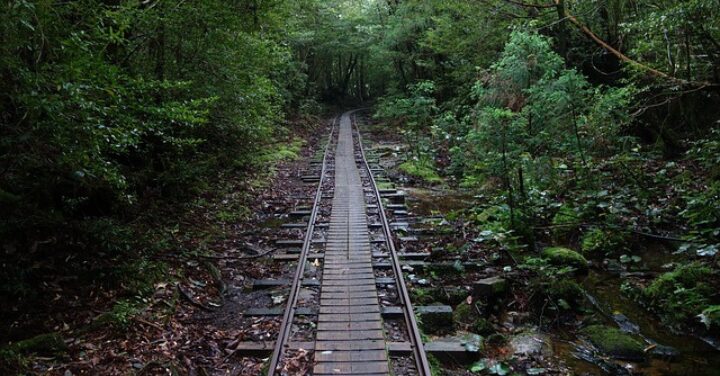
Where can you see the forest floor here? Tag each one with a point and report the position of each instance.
(188, 318)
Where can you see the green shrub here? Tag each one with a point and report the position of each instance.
(598, 242)
(702, 213)
(423, 169)
(122, 313)
(565, 222)
(681, 294)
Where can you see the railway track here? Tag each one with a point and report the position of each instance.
(362, 309)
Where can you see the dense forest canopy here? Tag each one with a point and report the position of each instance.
(119, 115)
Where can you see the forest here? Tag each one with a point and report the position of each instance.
(565, 153)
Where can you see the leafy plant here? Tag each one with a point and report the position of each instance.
(601, 242)
(681, 294)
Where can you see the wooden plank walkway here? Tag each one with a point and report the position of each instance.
(350, 339)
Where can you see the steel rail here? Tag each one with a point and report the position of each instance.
(421, 360)
(281, 343)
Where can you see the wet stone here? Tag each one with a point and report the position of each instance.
(436, 319)
(531, 343)
(489, 287)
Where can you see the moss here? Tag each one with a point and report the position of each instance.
(483, 327)
(465, 314)
(567, 290)
(424, 170)
(385, 185)
(601, 243)
(681, 294)
(44, 344)
(284, 151)
(614, 342)
(565, 257)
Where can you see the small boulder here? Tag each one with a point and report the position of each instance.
(565, 257)
(529, 343)
(665, 352)
(490, 287)
(615, 343)
(436, 319)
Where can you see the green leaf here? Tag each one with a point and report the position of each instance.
(479, 366)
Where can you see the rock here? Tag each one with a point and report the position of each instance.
(436, 319)
(613, 266)
(490, 287)
(615, 343)
(565, 257)
(529, 343)
(625, 324)
(569, 291)
(665, 352)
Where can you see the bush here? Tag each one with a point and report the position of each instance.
(423, 169)
(565, 222)
(681, 294)
(598, 242)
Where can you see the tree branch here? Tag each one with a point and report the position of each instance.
(652, 71)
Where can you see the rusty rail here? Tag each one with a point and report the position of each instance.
(421, 360)
(282, 341)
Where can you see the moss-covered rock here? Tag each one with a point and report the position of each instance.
(565, 257)
(44, 344)
(490, 287)
(614, 342)
(568, 291)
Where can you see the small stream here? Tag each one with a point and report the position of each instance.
(695, 357)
